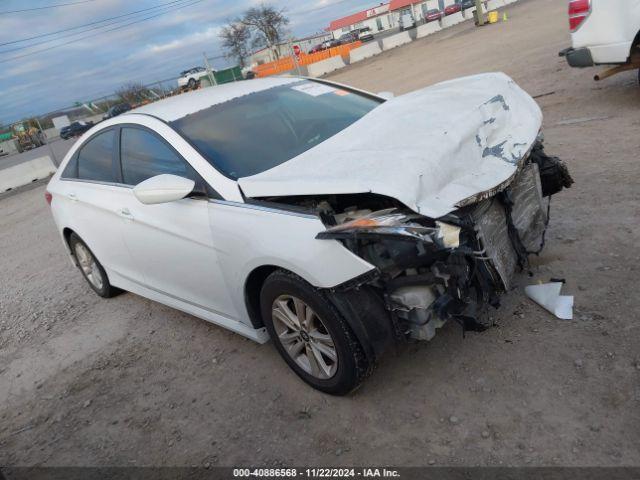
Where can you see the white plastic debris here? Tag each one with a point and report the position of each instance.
(547, 295)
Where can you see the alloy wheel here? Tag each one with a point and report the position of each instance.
(89, 266)
(304, 336)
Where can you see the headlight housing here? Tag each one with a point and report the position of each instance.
(395, 223)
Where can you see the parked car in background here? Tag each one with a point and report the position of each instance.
(190, 78)
(251, 205)
(604, 32)
(116, 110)
(451, 9)
(364, 34)
(433, 15)
(330, 43)
(406, 21)
(75, 129)
(348, 37)
(465, 4)
(316, 48)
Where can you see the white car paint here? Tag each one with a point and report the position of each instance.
(179, 106)
(194, 255)
(609, 30)
(431, 149)
(163, 188)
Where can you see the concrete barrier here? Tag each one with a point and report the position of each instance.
(25, 173)
(452, 19)
(9, 146)
(428, 29)
(323, 67)
(365, 51)
(51, 133)
(395, 40)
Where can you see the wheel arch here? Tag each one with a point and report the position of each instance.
(66, 237)
(66, 234)
(635, 43)
(362, 308)
(252, 288)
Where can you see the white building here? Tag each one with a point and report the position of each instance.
(386, 15)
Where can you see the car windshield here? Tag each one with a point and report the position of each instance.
(256, 132)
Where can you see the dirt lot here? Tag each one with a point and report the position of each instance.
(84, 381)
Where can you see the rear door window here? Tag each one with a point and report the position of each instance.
(95, 159)
(144, 155)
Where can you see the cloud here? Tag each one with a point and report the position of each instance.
(190, 40)
(148, 51)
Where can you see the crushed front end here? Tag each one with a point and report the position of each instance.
(429, 270)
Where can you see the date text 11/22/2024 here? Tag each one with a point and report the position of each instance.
(315, 472)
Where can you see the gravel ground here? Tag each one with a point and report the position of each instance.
(86, 381)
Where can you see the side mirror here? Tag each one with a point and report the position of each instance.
(386, 95)
(163, 188)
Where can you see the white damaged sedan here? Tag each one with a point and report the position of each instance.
(326, 218)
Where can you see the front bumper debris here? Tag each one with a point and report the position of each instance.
(432, 270)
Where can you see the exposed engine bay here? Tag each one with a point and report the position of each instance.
(431, 270)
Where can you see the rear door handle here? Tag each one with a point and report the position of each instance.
(72, 196)
(126, 213)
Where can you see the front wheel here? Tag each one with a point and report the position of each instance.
(311, 335)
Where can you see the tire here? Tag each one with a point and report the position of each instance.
(91, 269)
(191, 83)
(323, 331)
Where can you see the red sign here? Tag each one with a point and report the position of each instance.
(296, 50)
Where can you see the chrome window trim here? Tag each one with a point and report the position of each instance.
(263, 208)
(97, 182)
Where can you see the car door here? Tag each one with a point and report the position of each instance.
(91, 193)
(170, 243)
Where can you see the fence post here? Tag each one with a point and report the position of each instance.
(46, 141)
(210, 74)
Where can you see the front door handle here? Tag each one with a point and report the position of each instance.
(126, 213)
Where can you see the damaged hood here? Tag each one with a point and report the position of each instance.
(430, 149)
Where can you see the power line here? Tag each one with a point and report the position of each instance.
(46, 7)
(88, 24)
(96, 27)
(16, 57)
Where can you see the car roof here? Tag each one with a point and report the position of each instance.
(179, 106)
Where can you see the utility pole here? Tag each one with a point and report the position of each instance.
(210, 74)
(46, 140)
(479, 14)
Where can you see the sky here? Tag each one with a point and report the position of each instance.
(94, 63)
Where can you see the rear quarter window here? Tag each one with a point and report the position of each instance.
(95, 158)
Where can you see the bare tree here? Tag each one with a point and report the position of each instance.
(267, 26)
(235, 38)
(132, 92)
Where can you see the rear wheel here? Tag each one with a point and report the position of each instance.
(311, 335)
(91, 269)
(191, 83)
